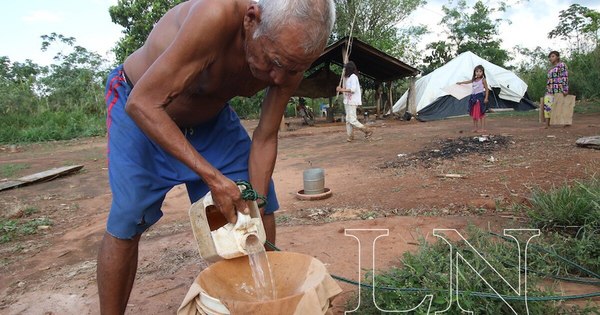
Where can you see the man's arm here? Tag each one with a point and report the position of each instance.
(263, 152)
(194, 48)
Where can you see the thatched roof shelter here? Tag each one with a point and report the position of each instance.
(371, 62)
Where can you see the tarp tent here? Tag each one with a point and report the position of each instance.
(433, 101)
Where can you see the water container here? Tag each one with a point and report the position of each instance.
(302, 282)
(314, 181)
(227, 241)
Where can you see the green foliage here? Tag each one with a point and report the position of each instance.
(13, 229)
(429, 268)
(581, 245)
(580, 25)
(9, 170)
(59, 124)
(61, 101)
(248, 107)
(76, 80)
(137, 17)
(376, 21)
(576, 205)
(469, 30)
(571, 214)
(427, 271)
(441, 53)
(18, 82)
(584, 72)
(30, 211)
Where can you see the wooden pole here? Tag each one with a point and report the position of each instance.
(282, 124)
(391, 97)
(541, 118)
(378, 101)
(412, 98)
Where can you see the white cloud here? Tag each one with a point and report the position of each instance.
(42, 16)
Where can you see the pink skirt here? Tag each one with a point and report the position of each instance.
(476, 112)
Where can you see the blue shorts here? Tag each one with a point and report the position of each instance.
(141, 172)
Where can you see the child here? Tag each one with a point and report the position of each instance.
(479, 98)
(352, 99)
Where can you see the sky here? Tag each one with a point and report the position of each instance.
(23, 22)
(530, 21)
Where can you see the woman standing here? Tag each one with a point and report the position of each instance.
(352, 99)
(558, 82)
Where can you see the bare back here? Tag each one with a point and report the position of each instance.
(224, 74)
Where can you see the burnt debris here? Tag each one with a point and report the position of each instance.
(447, 149)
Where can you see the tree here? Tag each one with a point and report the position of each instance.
(18, 83)
(579, 25)
(76, 78)
(137, 18)
(376, 23)
(469, 30)
(441, 53)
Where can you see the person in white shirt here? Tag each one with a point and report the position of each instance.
(352, 99)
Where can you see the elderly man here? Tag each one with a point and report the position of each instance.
(169, 122)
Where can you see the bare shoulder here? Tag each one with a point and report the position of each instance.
(222, 15)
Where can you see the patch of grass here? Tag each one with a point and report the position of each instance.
(50, 125)
(429, 268)
(570, 217)
(587, 107)
(283, 218)
(13, 229)
(368, 215)
(528, 113)
(576, 205)
(9, 170)
(30, 210)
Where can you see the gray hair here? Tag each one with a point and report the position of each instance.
(316, 16)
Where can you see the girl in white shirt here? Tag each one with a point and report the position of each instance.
(352, 99)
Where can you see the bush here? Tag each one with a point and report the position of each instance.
(584, 76)
(50, 126)
(248, 107)
(577, 205)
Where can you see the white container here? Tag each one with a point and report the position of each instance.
(229, 240)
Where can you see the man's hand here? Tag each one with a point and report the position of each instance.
(339, 89)
(228, 198)
(485, 101)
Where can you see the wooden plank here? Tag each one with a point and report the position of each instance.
(10, 184)
(562, 109)
(41, 176)
(589, 142)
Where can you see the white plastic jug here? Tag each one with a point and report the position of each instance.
(229, 240)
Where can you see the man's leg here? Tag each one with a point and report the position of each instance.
(270, 229)
(117, 265)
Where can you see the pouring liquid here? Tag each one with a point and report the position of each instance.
(264, 285)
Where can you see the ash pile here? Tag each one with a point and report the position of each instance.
(448, 149)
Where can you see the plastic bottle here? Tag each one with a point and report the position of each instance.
(229, 240)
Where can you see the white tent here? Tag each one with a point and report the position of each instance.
(432, 88)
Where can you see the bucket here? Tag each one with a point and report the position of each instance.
(302, 284)
(314, 181)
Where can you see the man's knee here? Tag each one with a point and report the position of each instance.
(112, 245)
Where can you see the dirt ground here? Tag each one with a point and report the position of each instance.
(53, 271)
